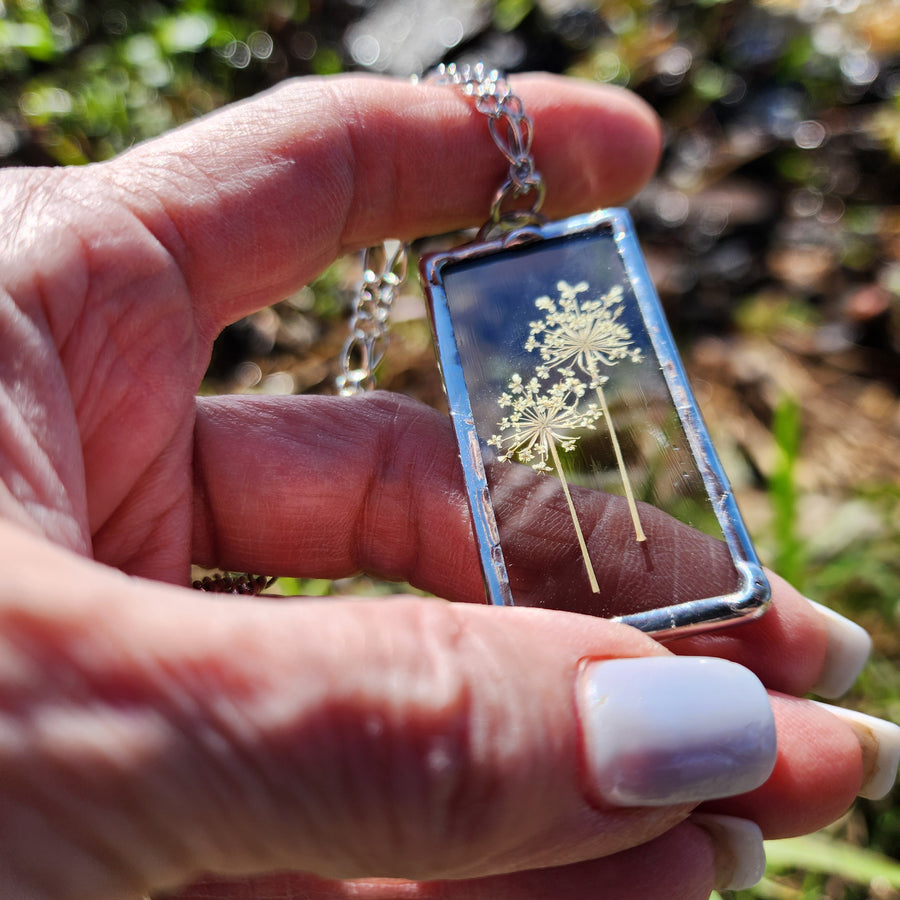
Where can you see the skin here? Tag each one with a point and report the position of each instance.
(149, 733)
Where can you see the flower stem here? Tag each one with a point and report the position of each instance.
(626, 482)
(584, 551)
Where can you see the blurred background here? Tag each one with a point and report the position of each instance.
(772, 230)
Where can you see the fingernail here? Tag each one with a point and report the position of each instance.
(740, 853)
(880, 742)
(664, 730)
(848, 649)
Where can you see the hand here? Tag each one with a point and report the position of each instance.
(150, 733)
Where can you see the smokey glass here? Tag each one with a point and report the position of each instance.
(579, 435)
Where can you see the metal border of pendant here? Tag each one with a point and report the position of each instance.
(752, 595)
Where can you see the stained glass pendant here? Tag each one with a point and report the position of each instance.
(579, 435)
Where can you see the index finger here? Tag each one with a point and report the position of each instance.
(258, 198)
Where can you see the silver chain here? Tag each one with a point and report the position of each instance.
(511, 129)
(384, 270)
(384, 266)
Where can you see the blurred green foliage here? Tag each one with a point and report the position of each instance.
(790, 559)
(82, 81)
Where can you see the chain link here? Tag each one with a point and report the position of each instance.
(511, 129)
(384, 266)
(384, 270)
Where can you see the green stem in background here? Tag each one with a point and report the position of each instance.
(787, 430)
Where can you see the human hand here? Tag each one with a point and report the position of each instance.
(150, 733)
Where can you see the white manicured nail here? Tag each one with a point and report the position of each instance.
(880, 742)
(670, 729)
(740, 853)
(849, 647)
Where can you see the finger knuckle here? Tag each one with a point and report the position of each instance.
(434, 772)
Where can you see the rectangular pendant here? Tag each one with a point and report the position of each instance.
(580, 439)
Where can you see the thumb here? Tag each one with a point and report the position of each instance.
(153, 734)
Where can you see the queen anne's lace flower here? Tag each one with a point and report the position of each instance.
(541, 418)
(586, 335)
(574, 339)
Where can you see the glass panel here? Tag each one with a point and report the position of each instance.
(571, 405)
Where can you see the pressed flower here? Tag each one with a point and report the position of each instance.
(540, 418)
(587, 335)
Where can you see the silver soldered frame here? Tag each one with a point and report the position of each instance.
(752, 594)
